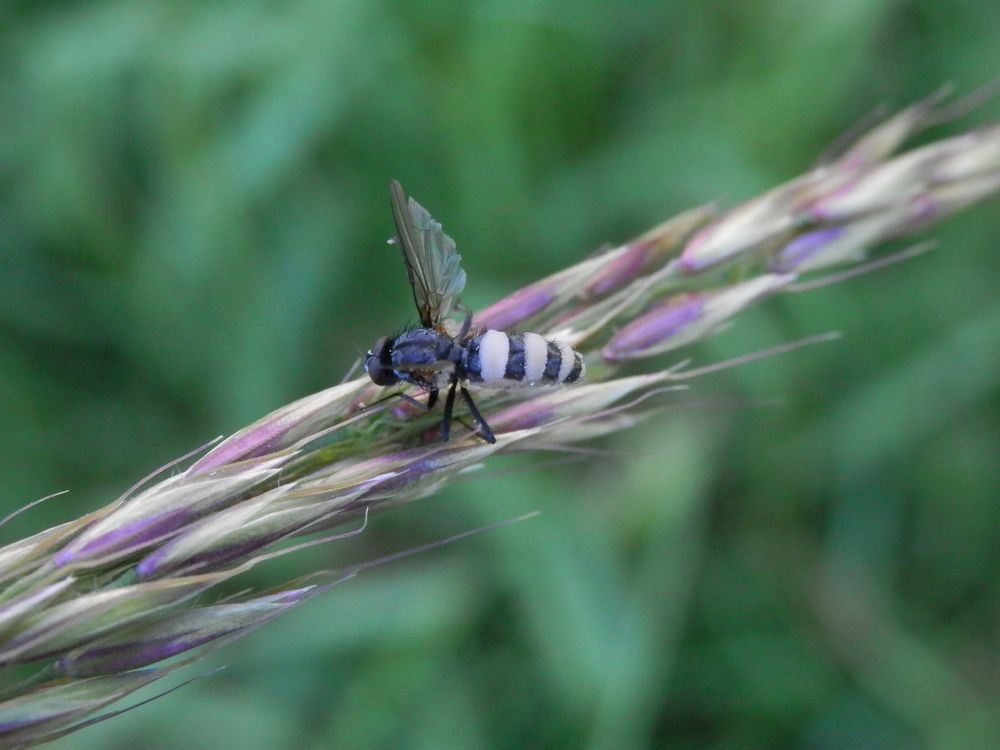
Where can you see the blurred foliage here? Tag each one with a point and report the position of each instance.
(192, 223)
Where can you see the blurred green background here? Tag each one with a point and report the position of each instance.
(192, 223)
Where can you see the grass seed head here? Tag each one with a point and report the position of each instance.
(102, 606)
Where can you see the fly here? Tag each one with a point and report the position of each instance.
(433, 359)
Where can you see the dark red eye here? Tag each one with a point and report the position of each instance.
(378, 363)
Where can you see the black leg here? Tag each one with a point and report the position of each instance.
(432, 398)
(407, 398)
(449, 404)
(466, 325)
(484, 429)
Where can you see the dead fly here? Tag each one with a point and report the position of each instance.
(433, 358)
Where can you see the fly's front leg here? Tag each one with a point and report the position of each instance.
(431, 400)
(466, 326)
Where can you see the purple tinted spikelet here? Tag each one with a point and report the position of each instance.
(644, 255)
(149, 643)
(511, 311)
(664, 321)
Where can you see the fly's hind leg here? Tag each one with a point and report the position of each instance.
(484, 429)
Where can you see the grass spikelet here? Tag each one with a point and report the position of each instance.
(96, 608)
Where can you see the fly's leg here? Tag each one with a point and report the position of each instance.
(484, 429)
(449, 405)
(466, 325)
(431, 400)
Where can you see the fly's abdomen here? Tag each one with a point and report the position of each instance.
(494, 359)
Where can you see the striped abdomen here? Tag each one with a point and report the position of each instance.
(500, 360)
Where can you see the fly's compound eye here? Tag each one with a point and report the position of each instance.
(378, 363)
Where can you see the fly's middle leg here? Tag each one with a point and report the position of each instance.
(449, 405)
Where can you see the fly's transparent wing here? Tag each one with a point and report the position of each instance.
(442, 365)
(434, 267)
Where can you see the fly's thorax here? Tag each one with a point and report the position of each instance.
(422, 346)
(501, 360)
(425, 356)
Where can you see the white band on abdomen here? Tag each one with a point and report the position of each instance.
(536, 353)
(494, 348)
(566, 366)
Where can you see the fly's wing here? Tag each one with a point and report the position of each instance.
(441, 366)
(434, 267)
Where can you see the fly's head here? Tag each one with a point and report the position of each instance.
(378, 363)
